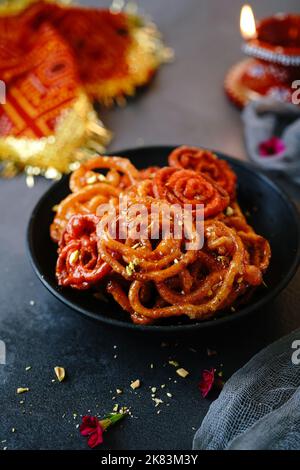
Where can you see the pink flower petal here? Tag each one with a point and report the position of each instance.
(95, 438)
(91, 427)
(89, 424)
(207, 382)
(271, 147)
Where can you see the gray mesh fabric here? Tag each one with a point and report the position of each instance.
(259, 406)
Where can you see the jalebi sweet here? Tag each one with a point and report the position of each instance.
(205, 162)
(151, 272)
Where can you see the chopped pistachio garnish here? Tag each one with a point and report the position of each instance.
(60, 373)
(153, 389)
(130, 268)
(229, 211)
(116, 407)
(22, 390)
(74, 256)
(91, 179)
(157, 401)
(135, 384)
(173, 363)
(182, 372)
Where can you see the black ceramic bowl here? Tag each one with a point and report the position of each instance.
(271, 214)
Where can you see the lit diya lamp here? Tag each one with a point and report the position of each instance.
(274, 47)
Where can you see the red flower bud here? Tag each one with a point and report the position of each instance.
(91, 427)
(207, 381)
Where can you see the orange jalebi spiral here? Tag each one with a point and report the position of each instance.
(151, 259)
(257, 246)
(120, 295)
(207, 163)
(121, 173)
(84, 201)
(208, 298)
(188, 187)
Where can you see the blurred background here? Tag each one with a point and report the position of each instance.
(186, 101)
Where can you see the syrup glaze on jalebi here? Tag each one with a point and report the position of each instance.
(189, 187)
(90, 189)
(79, 264)
(205, 162)
(152, 278)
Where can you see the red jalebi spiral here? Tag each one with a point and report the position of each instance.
(188, 187)
(207, 163)
(79, 263)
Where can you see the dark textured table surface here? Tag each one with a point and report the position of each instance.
(184, 104)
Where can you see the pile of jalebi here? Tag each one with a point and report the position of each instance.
(163, 276)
